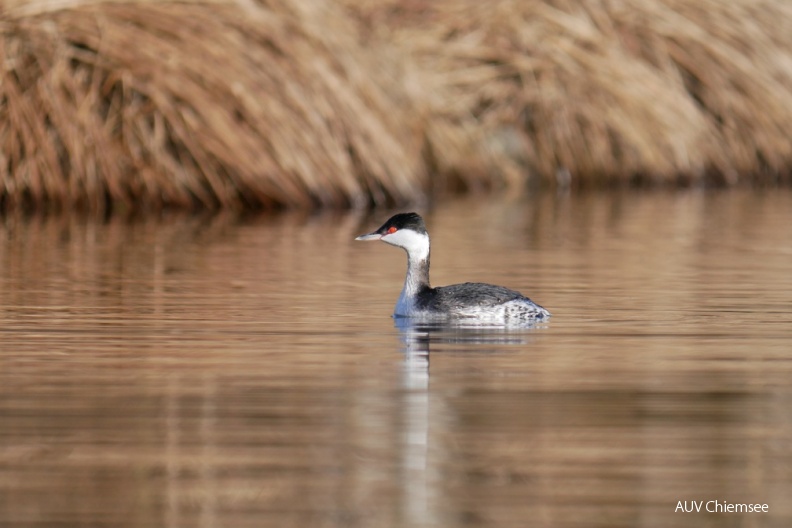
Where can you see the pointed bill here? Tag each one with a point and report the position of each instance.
(369, 237)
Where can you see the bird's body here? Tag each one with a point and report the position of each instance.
(471, 300)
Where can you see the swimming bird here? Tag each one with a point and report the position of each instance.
(471, 301)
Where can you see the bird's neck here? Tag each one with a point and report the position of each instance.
(417, 278)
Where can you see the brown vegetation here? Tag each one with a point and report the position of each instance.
(228, 103)
(659, 90)
(202, 104)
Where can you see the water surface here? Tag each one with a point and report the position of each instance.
(228, 371)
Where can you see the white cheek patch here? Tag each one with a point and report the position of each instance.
(415, 244)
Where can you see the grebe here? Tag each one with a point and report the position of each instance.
(472, 300)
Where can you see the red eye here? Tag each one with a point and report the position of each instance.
(392, 230)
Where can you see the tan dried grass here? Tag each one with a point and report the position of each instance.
(202, 104)
(238, 103)
(602, 91)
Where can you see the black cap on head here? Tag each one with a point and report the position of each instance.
(404, 221)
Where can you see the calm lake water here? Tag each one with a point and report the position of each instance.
(228, 372)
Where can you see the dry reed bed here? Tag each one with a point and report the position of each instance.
(655, 90)
(199, 105)
(313, 102)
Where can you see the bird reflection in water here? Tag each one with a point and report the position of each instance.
(418, 337)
